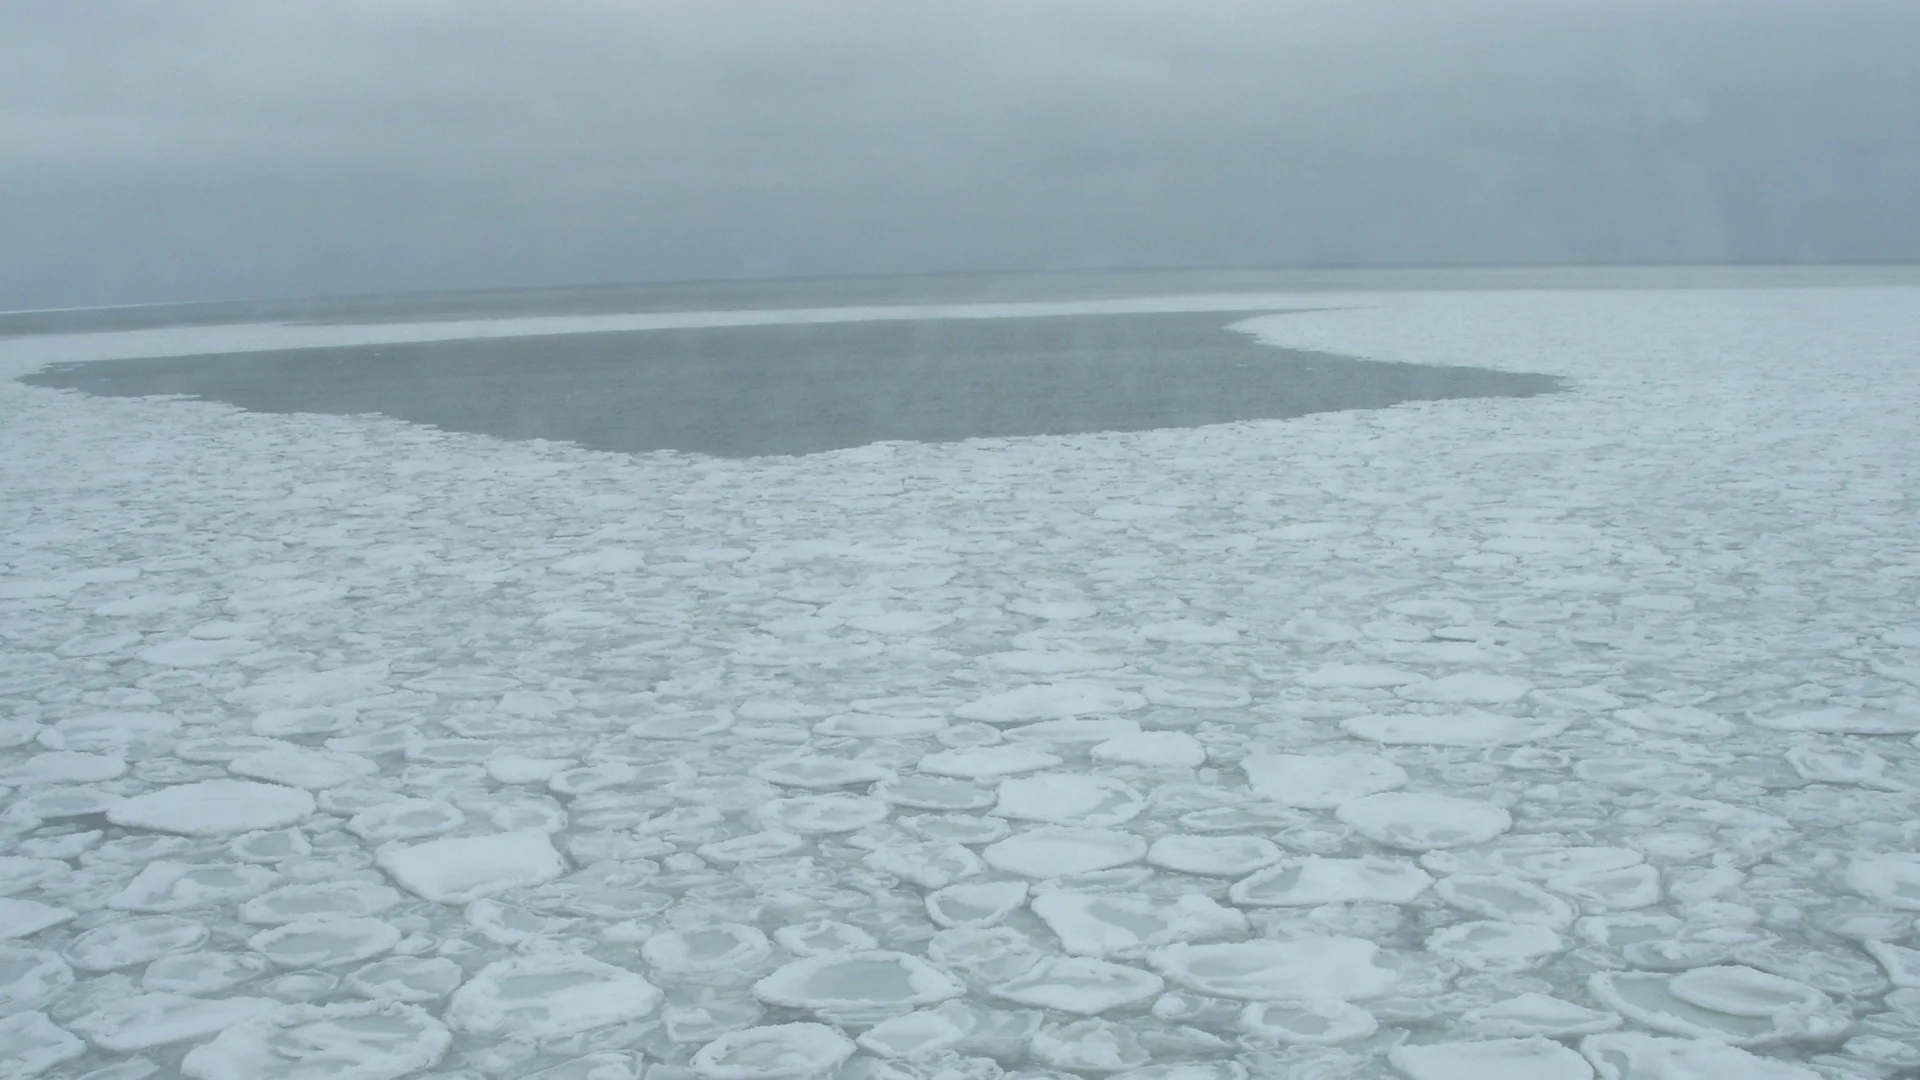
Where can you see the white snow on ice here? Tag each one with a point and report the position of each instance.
(1567, 736)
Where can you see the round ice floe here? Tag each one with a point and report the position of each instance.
(1485, 945)
(1057, 610)
(549, 995)
(768, 844)
(1088, 1046)
(858, 725)
(1625, 1055)
(30, 978)
(213, 808)
(1152, 750)
(1581, 699)
(452, 751)
(63, 767)
(56, 804)
(380, 740)
(1265, 970)
(459, 870)
(129, 1022)
(131, 851)
(770, 710)
(956, 828)
(1552, 862)
(355, 1041)
(682, 725)
(1536, 1014)
(1213, 856)
(917, 1034)
(1056, 851)
(857, 982)
(224, 748)
(202, 972)
(507, 924)
(821, 773)
(1647, 998)
(978, 762)
(303, 767)
(1505, 898)
(19, 873)
(304, 689)
(831, 813)
(1358, 677)
(1745, 991)
(1320, 781)
(933, 864)
(933, 793)
(301, 986)
(774, 1052)
(33, 1044)
(976, 904)
(1688, 721)
(1611, 890)
(900, 623)
(1079, 984)
(116, 733)
(1197, 695)
(127, 942)
(1069, 799)
(320, 899)
(819, 937)
(728, 947)
(270, 846)
(319, 943)
(411, 979)
(1312, 881)
(1645, 773)
(405, 819)
(195, 653)
(163, 886)
(1050, 701)
(904, 706)
(1423, 822)
(1052, 662)
(293, 723)
(1319, 1022)
(1495, 1059)
(1190, 632)
(1823, 763)
(1107, 925)
(1902, 964)
(598, 776)
(24, 918)
(1451, 729)
(1893, 880)
(1838, 720)
(1467, 688)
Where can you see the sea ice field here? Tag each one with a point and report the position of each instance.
(1548, 738)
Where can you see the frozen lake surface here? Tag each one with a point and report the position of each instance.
(1562, 736)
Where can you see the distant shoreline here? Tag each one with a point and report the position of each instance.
(933, 289)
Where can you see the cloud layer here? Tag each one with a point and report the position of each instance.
(227, 148)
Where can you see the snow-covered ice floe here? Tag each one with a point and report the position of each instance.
(1564, 736)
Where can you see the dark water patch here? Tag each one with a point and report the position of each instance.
(748, 391)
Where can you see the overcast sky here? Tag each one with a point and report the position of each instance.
(259, 148)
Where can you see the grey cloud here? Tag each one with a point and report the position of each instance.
(225, 149)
